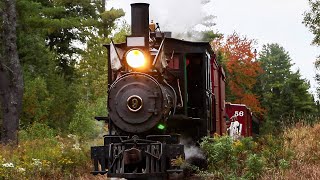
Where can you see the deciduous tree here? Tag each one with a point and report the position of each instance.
(312, 21)
(237, 55)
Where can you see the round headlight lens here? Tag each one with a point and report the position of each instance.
(135, 58)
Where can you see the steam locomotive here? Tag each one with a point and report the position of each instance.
(161, 90)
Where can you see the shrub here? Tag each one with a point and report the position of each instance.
(254, 166)
(36, 131)
(272, 148)
(219, 153)
(83, 123)
(244, 158)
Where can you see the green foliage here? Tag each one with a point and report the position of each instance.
(120, 35)
(61, 76)
(255, 166)
(92, 87)
(219, 153)
(93, 68)
(42, 154)
(64, 100)
(283, 164)
(44, 157)
(108, 20)
(282, 92)
(312, 20)
(83, 124)
(244, 158)
(36, 102)
(35, 57)
(268, 127)
(65, 26)
(210, 35)
(37, 131)
(272, 148)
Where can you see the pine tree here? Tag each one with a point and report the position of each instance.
(283, 92)
(68, 25)
(53, 91)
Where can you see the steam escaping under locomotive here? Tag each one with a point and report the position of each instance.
(161, 90)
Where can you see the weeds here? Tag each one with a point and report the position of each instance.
(228, 159)
(303, 142)
(41, 155)
(293, 154)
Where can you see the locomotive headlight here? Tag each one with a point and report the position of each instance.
(135, 58)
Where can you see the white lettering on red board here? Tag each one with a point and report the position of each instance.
(239, 113)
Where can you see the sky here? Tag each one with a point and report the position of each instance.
(266, 21)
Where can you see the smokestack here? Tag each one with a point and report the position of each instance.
(140, 20)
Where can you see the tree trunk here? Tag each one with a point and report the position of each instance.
(11, 79)
(103, 5)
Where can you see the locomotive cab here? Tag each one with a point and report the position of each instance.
(199, 81)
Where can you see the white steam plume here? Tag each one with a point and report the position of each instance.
(191, 150)
(177, 16)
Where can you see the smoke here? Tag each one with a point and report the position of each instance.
(193, 154)
(191, 150)
(178, 16)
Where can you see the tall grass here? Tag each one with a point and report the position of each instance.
(292, 154)
(304, 141)
(291, 120)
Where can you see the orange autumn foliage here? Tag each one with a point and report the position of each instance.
(241, 67)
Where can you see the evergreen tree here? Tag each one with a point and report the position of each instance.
(67, 26)
(282, 91)
(52, 91)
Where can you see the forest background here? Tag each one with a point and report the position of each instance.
(53, 76)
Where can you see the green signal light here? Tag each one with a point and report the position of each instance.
(161, 126)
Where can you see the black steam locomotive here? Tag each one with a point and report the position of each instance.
(161, 90)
